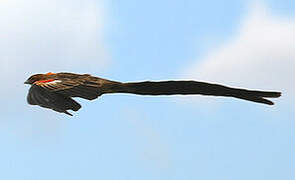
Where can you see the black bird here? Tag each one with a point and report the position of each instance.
(55, 90)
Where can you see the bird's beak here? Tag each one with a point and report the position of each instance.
(27, 82)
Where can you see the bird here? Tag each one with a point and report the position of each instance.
(56, 90)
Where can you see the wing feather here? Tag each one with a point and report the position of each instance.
(72, 85)
(41, 96)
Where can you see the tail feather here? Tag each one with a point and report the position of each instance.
(256, 96)
(191, 88)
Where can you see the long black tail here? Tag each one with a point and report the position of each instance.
(192, 87)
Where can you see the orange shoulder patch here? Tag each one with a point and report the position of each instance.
(50, 73)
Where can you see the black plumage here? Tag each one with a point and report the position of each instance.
(55, 90)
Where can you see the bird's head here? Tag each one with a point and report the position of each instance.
(39, 77)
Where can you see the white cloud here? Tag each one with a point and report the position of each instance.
(38, 36)
(51, 35)
(260, 55)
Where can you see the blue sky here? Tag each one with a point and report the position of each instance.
(132, 137)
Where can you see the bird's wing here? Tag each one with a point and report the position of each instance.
(72, 85)
(58, 84)
(48, 99)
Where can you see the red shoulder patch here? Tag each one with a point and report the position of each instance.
(50, 73)
(43, 81)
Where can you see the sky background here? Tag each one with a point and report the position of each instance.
(239, 43)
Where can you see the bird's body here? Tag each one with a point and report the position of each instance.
(55, 90)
